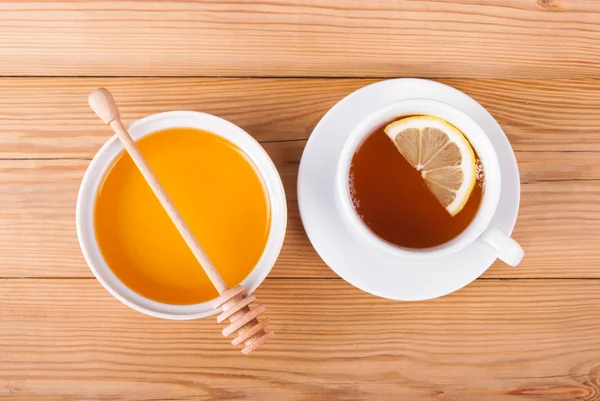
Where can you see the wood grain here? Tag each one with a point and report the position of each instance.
(489, 341)
(558, 226)
(554, 115)
(442, 38)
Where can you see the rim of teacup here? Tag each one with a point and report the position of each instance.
(478, 139)
(103, 160)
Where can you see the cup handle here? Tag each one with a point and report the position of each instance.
(506, 248)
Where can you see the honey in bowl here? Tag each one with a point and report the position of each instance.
(220, 195)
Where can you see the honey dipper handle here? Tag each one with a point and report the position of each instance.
(103, 104)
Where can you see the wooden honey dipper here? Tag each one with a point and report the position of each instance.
(234, 301)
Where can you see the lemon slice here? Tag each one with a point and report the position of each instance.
(441, 153)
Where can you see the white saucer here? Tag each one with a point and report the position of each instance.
(359, 263)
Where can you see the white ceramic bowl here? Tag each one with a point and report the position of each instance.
(105, 157)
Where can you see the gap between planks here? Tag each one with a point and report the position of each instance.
(37, 158)
(337, 278)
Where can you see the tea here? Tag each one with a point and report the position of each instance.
(219, 194)
(391, 197)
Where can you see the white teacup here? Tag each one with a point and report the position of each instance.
(498, 243)
(148, 125)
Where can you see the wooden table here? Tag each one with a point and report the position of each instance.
(274, 68)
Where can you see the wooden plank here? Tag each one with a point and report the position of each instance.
(50, 118)
(558, 226)
(443, 38)
(69, 340)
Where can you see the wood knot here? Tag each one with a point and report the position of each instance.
(547, 4)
